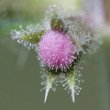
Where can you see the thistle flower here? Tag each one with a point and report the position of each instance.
(57, 50)
(59, 43)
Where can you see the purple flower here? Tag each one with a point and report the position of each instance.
(59, 43)
(57, 50)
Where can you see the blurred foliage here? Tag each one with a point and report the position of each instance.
(14, 13)
(23, 12)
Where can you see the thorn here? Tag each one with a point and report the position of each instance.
(72, 94)
(48, 87)
(71, 86)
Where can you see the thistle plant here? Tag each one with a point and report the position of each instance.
(59, 42)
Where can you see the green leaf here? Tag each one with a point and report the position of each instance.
(57, 23)
(33, 37)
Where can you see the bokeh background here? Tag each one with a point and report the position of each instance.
(20, 70)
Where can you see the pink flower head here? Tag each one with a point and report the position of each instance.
(56, 50)
(62, 40)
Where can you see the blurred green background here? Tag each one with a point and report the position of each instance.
(20, 70)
